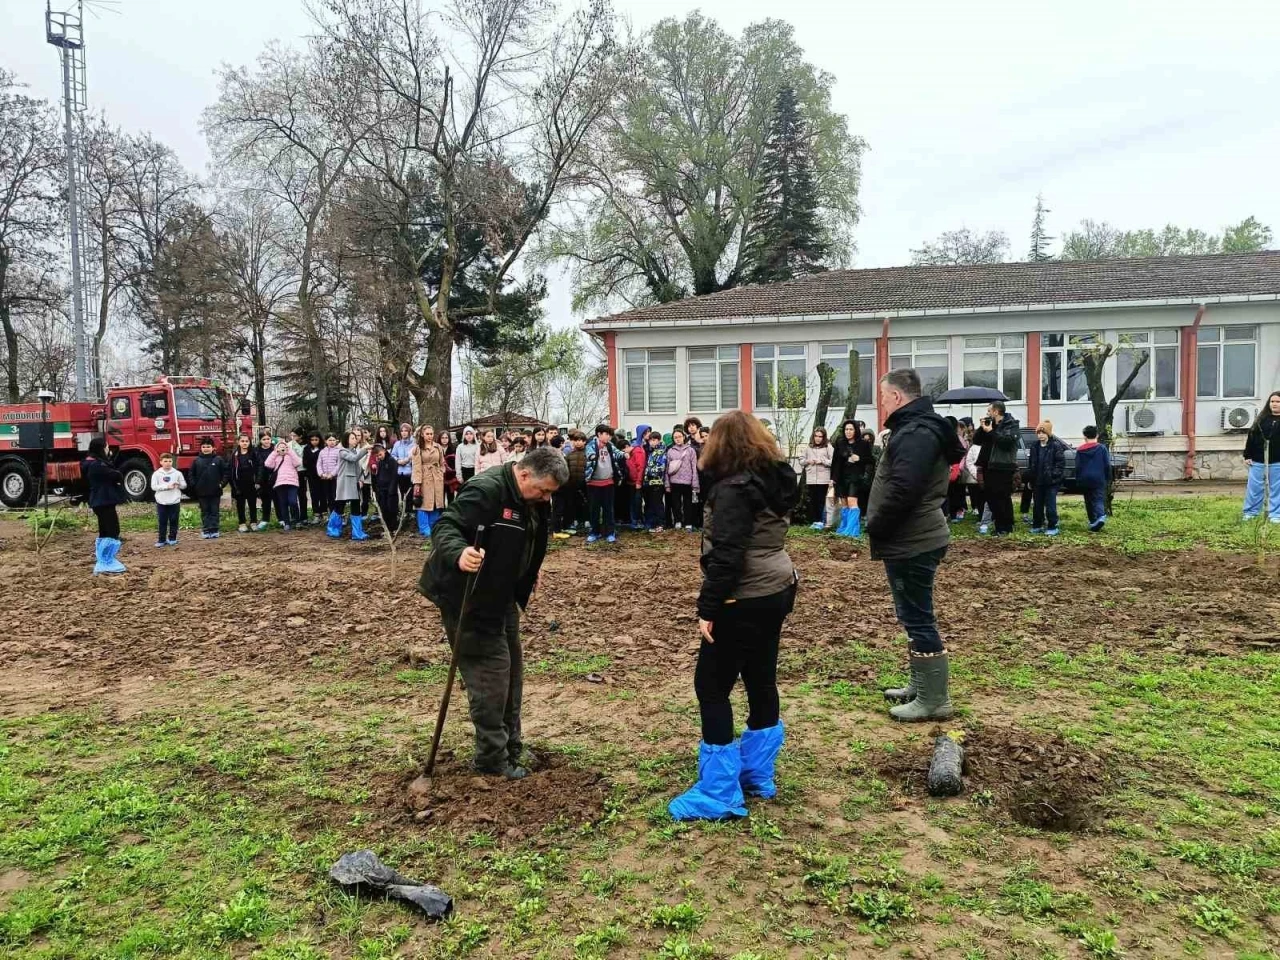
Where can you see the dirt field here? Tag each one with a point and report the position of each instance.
(1122, 792)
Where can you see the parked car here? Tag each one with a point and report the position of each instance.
(1119, 462)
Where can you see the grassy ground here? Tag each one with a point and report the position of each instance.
(198, 817)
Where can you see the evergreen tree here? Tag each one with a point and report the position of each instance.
(786, 237)
(1039, 239)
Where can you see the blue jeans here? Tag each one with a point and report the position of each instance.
(287, 504)
(210, 512)
(637, 507)
(600, 507)
(167, 520)
(1046, 506)
(911, 583)
(1095, 502)
(1258, 482)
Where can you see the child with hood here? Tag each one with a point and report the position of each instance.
(655, 483)
(466, 454)
(106, 490)
(1261, 451)
(208, 474)
(285, 464)
(1093, 471)
(637, 457)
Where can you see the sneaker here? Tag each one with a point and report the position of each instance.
(1026, 518)
(816, 526)
(612, 539)
(161, 543)
(592, 538)
(983, 528)
(1037, 529)
(214, 535)
(656, 530)
(1249, 516)
(691, 530)
(1051, 532)
(261, 526)
(204, 536)
(679, 526)
(286, 527)
(243, 528)
(171, 543)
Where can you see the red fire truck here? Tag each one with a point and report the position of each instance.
(170, 415)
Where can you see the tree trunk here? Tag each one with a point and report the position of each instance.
(10, 334)
(855, 387)
(436, 384)
(104, 311)
(259, 375)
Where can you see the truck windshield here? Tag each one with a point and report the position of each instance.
(197, 403)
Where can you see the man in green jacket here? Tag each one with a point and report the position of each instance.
(511, 503)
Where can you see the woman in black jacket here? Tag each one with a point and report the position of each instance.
(748, 589)
(266, 478)
(1262, 453)
(243, 470)
(106, 490)
(851, 465)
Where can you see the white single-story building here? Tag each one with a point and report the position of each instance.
(1209, 324)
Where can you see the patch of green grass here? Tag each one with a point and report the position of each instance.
(1213, 917)
(680, 916)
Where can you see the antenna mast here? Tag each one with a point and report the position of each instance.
(65, 30)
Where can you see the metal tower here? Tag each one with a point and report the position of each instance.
(65, 30)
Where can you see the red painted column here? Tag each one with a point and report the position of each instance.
(611, 358)
(882, 367)
(744, 378)
(1033, 379)
(1188, 386)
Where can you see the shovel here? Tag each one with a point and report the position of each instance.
(453, 660)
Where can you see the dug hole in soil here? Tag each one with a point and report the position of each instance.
(1036, 780)
(456, 796)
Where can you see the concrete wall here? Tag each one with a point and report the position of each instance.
(1069, 418)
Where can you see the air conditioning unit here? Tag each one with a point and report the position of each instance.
(1140, 420)
(1239, 418)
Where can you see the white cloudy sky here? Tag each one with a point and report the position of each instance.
(1140, 112)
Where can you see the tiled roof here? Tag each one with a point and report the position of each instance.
(500, 421)
(911, 289)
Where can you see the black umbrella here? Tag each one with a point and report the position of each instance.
(971, 395)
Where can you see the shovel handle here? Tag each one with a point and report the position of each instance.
(453, 661)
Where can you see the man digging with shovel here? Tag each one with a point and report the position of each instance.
(480, 590)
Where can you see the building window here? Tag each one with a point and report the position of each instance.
(1227, 363)
(713, 378)
(995, 362)
(836, 356)
(651, 381)
(779, 375)
(928, 358)
(1158, 378)
(1062, 371)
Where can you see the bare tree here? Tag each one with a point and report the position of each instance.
(1093, 360)
(30, 211)
(108, 158)
(478, 131)
(960, 247)
(292, 126)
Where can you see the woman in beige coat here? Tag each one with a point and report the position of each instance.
(427, 460)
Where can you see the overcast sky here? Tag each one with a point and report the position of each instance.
(1139, 112)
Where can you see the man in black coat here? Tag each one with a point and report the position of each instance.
(511, 503)
(909, 532)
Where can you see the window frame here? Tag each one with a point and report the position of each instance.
(1000, 350)
(1064, 370)
(628, 365)
(776, 356)
(915, 352)
(718, 361)
(839, 395)
(1218, 346)
(1152, 343)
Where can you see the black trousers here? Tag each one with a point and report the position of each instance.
(243, 501)
(600, 508)
(167, 521)
(366, 492)
(267, 497)
(211, 511)
(746, 635)
(321, 493)
(999, 491)
(680, 500)
(977, 496)
(817, 493)
(955, 497)
(911, 583)
(389, 506)
(654, 506)
(1027, 497)
(302, 496)
(467, 473)
(108, 522)
(491, 662)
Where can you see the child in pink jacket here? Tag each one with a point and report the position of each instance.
(286, 464)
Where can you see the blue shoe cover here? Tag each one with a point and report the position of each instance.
(854, 529)
(424, 523)
(357, 528)
(107, 549)
(759, 752)
(334, 527)
(717, 795)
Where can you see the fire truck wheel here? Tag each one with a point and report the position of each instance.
(137, 479)
(18, 486)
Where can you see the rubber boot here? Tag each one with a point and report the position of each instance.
(759, 754)
(357, 527)
(932, 700)
(907, 693)
(718, 793)
(107, 562)
(334, 527)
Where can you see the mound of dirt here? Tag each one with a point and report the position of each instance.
(1036, 780)
(553, 792)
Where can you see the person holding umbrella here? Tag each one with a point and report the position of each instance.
(511, 504)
